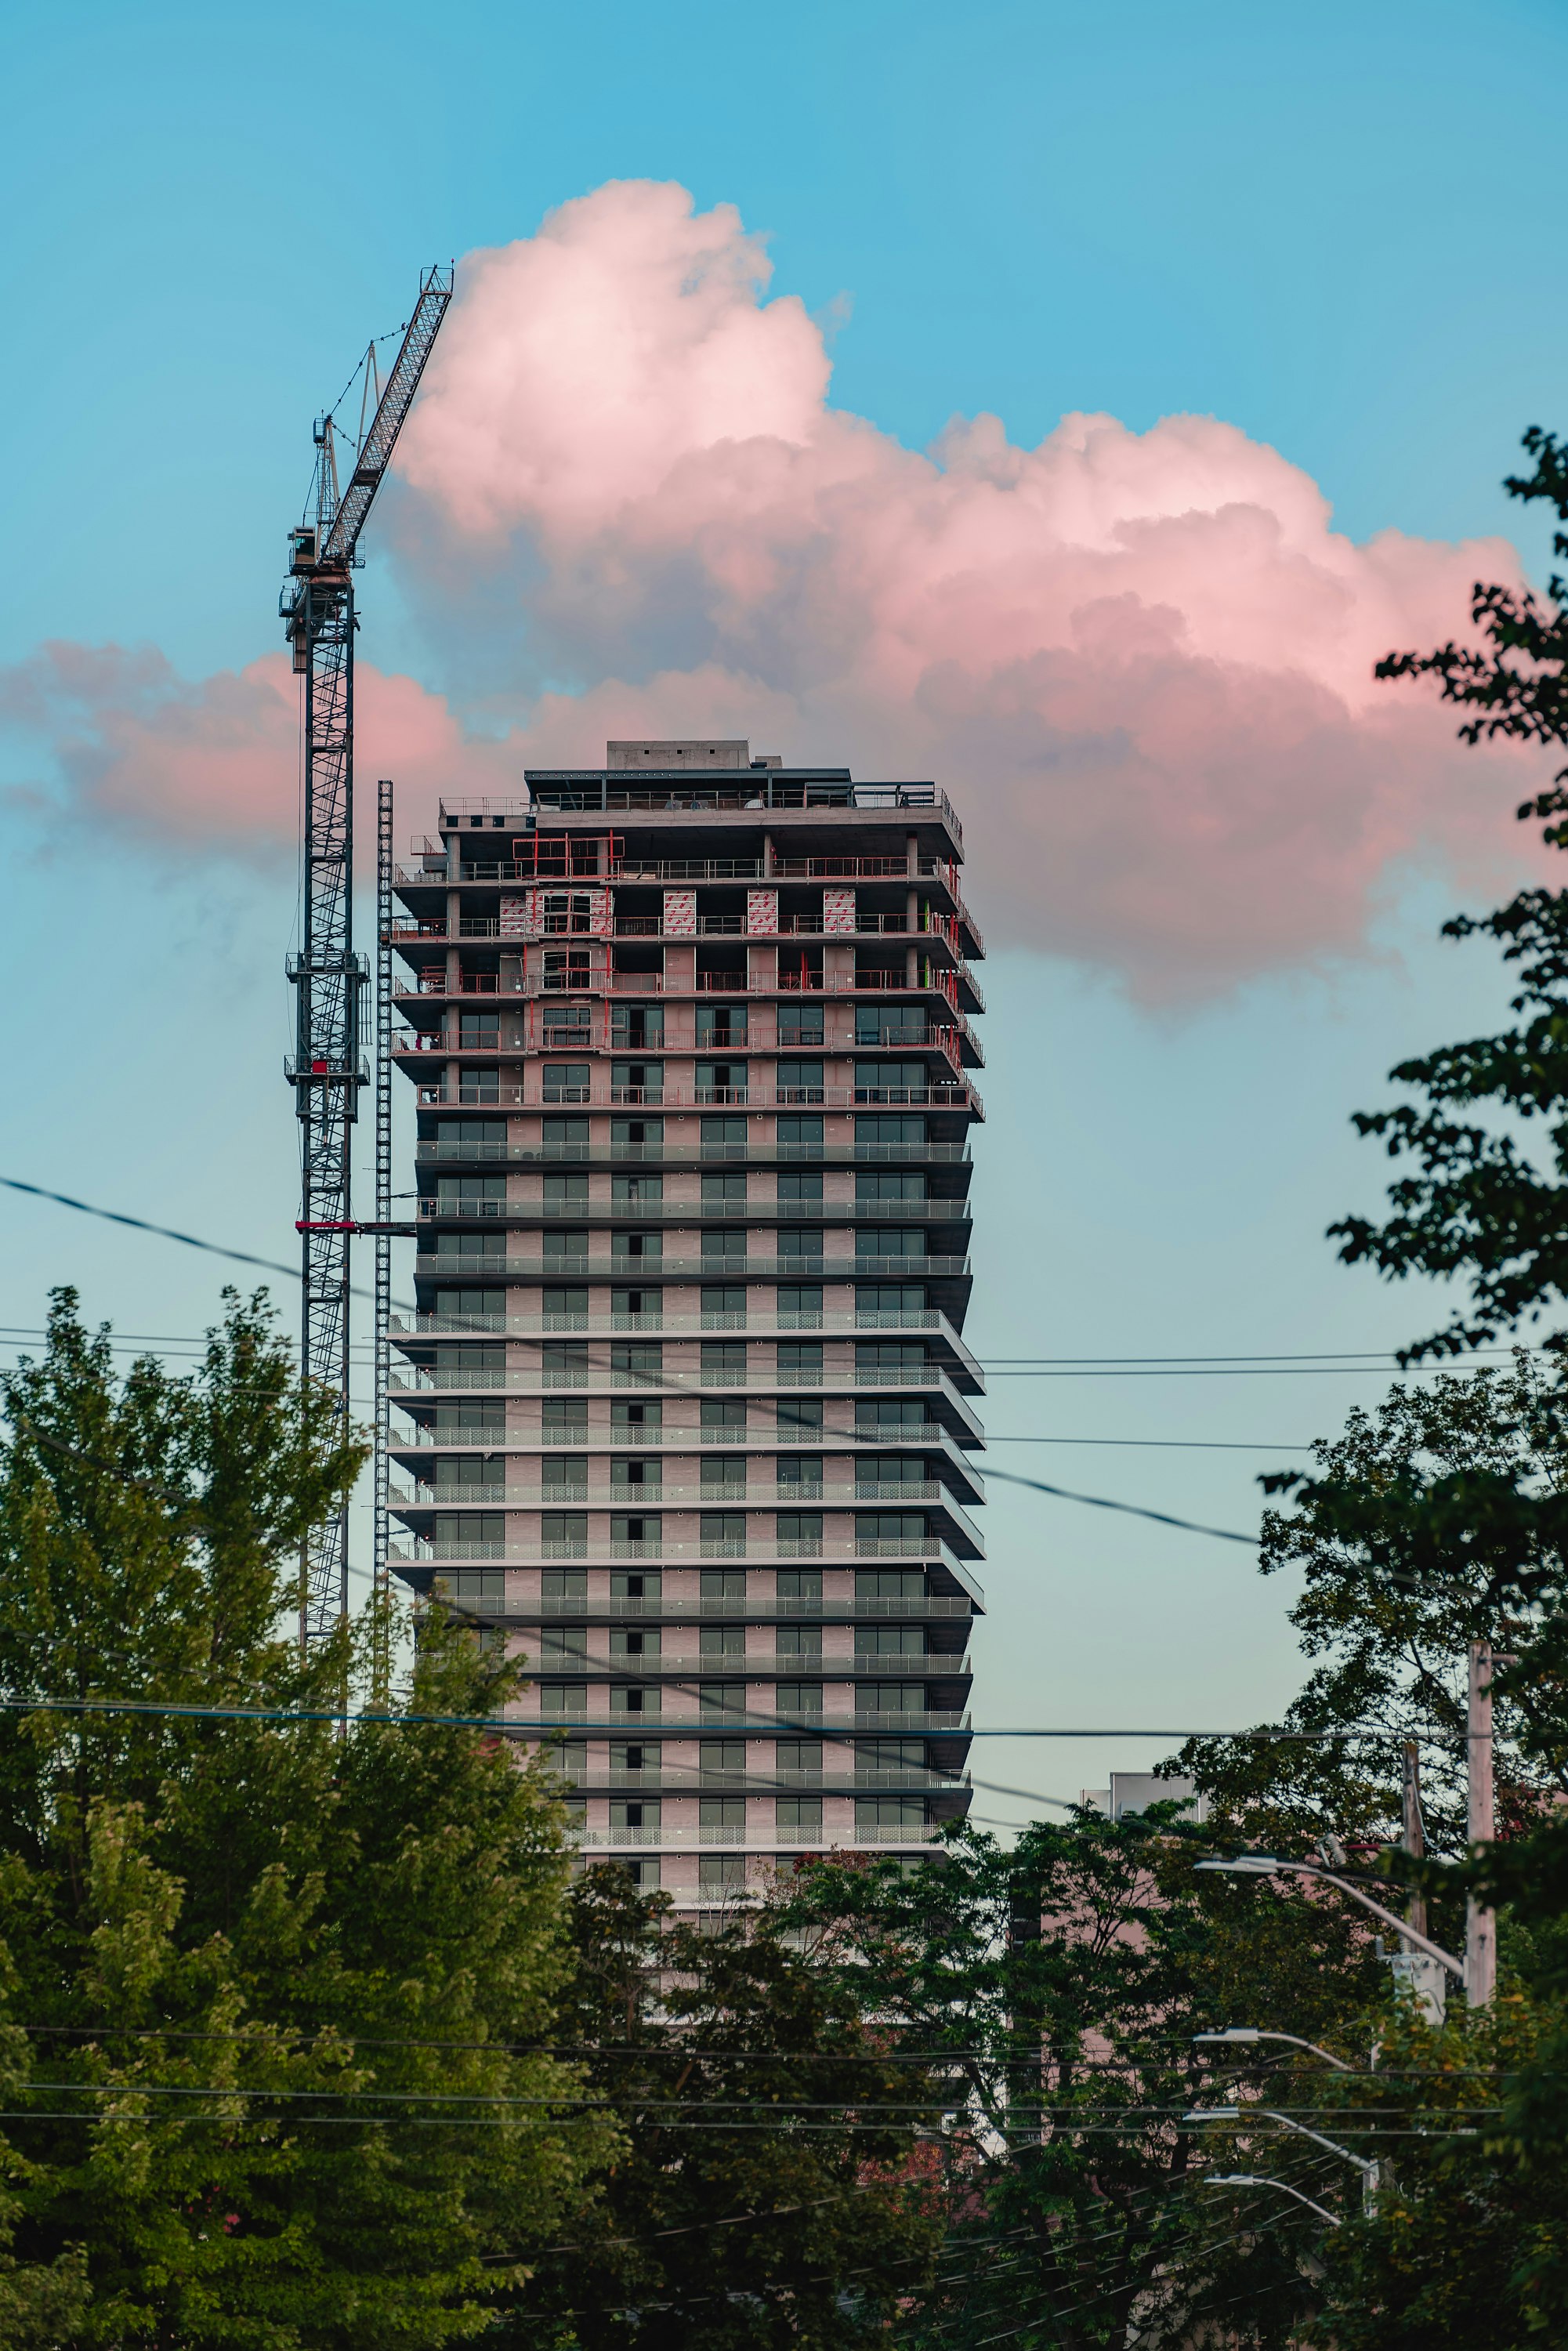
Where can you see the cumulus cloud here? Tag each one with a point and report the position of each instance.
(1141, 662)
(215, 763)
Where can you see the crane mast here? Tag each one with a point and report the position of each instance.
(328, 1067)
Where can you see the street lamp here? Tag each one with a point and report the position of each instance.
(1257, 2179)
(1267, 1864)
(1235, 2035)
(1365, 2166)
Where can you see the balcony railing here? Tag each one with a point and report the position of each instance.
(843, 1840)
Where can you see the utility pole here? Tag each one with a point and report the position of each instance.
(1424, 1976)
(1480, 1924)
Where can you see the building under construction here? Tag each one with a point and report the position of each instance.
(685, 1412)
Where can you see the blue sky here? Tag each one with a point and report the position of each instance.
(1319, 227)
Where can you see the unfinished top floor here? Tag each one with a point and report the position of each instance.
(685, 788)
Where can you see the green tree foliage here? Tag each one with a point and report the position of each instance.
(1058, 1987)
(1486, 1199)
(1436, 1520)
(262, 1980)
(773, 2191)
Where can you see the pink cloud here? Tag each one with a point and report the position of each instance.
(1141, 662)
(214, 765)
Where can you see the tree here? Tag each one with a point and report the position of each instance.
(1487, 1199)
(771, 2191)
(270, 1979)
(1058, 1987)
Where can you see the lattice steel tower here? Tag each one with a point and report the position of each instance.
(327, 1069)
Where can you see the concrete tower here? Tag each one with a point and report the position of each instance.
(686, 1414)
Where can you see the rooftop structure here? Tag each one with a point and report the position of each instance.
(686, 1414)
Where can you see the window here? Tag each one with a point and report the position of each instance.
(470, 1196)
(566, 911)
(483, 1417)
(636, 1190)
(564, 1532)
(902, 1756)
(892, 1697)
(480, 1082)
(799, 1363)
(890, 1081)
(799, 1471)
(636, 1584)
(636, 1306)
(722, 1419)
(724, 1362)
(474, 1534)
(636, 1757)
(642, 1132)
(724, 1640)
(637, 1026)
(890, 1641)
(637, 1527)
(800, 1531)
(487, 1360)
(884, 1814)
(724, 1478)
(800, 1583)
(561, 1642)
(637, 1479)
(562, 1697)
(800, 1755)
(566, 1028)
(724, 1243)
(889, 1583)
(479, 1244)
(800, 1419)
(888, 1024)
(635, 1813)
(723, 1584)
(470, 1469)
(801, 1184)
(477, 1590)
(890, 1240)
(564, 1136)
(565, 1309)
(890, 1354)
(488, 1133)
(633, 1641)
(798, 1081)
(722, 1698)
(798, 1133)
(884, 1183)
(891, 1417)
(566, 1194)
(645, 1247)
(800, 1819)
(802, 1243)
(647, 1419)
(564, 1477)
(721, 1081)
(799, 1024)
(486, 1308)
(723, 1306)
(565, 1082)
(723, 1534)
(645, 1874)
(892, 1528)
(633, 1698)
(564, 1419)
(799, 1303)
(802, 1700)
(723, 1135)
(874, 1472)
(564, 1363)
(479, 1031)
(641, 1081)
(724, 1191)
(896, 1298)
(802, 1641)
(720, 1872)
(726, 1815)
(720, 1027)
(565, 968)
(722, 1758)
(563, 1583)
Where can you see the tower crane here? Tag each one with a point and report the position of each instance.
(327, 1069)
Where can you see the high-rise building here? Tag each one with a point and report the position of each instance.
(687, 1411)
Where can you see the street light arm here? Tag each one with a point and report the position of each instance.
(1309, 1869)
(1362, 2162)
(1256, 2180)
(1242, 2036)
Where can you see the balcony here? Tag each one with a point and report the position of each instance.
(677, 1840)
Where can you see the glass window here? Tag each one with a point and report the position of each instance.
(634, 1641)
(722, 1412)
(565, 1531)
(800, 1134)
(723, 1533)
(890, 1241)
(720, 1872)
(637, 1477)
(722, 1758)
(724, 1476)
(564, 1419)
(635, 1813)
(893, 1813)
(800, 1242)
(799, 1024)
(636, 1188)
(799, 1817)
(892, 1527)
(800, 1360)
(644, 1356)
(802, 1417)
(564, 1584)
(721, 1081)
(637, 1080)
(636, 1584)
(565, 1309)
(480, 1083)
(800, 1530)
(566, 1135)
(724, 1242)
(637, 1024)
(723, 1584)
(800, 1700)
(633, 1698)
(798, 1081)
(801, 1470)
(637, 1527)
(889, 1583)
(479, 1534)
(636, 1756)
(723, 1135)
(800, 1642)
(566, 1081)
(890, 1081)
(567, 1191)
(800, 1755)
(646, 1419)
(562, 1697)
(637, 1131)
(720, 1026)
(566, 1470)
(801, 1184)
(890, 1183)
(724, 1358)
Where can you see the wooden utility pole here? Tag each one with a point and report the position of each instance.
(1480, 1924)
